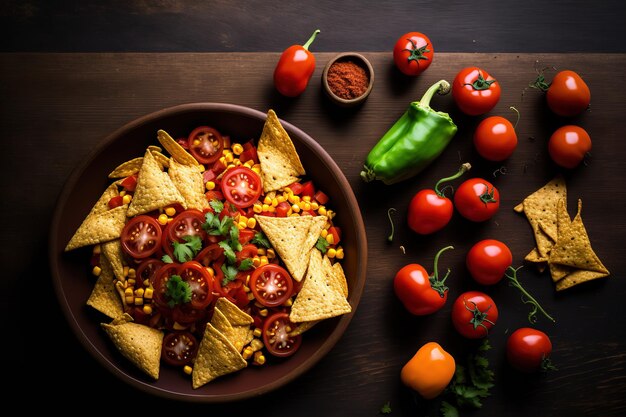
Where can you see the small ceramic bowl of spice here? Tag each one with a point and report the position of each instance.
(348, 79)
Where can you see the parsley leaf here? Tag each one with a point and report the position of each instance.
(216, 205)
(177, 290)
(448, 410)
(167, 259)
(261, 240)
(472, 383)
(245, 264)
(322, 244)
(230, 273)
(386, 408)
(234, 238)
(216, 227)
(186, 251)
(231, 257)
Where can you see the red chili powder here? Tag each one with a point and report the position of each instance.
(347, 79)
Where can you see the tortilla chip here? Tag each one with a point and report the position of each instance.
(112, 250)
(138, 343)
(236, 334)
(188, 180)
(280, 163)
(293, 237)
(321, 297)
(534, 257)
(540, 207)
(234, 314)
(578, 276)
(563, 222)
(98, 228)
(340, 276)
(154, 190)
(178, 152)
(519, 208)
(573, 247)
(127, 168)
(104, 296)
(163, 160)
(216, 357)
(303, 327)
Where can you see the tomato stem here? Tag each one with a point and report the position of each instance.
(511, 274)
(481, 83)
(518, 116)
(487, 196)
(390, 237)
(435, 283)
(311, 39)
(464, 168)
(416, 53)
(479, 316)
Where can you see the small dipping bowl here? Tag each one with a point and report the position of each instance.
(360, 61)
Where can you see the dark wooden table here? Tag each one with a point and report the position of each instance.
(57, 107)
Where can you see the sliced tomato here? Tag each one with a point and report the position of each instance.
(179, 348)
(246, 235)
(214, 195)
(159, 284)
(116, 201)
(241, 186)
(146, 270)
(209, 255)
(141, 237)
(336, 232)
(249, 153)
(282, 209)
(271, 285)
(183, 142)
(208, 175)
(129, 183)
(235, 293)
(186, 223)
(205, 144)
(276, 335)
(321, 197)
(308, 189)
(200, 283)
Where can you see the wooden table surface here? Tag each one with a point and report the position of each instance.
(57, 107)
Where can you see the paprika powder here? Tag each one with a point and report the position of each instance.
(347, 79)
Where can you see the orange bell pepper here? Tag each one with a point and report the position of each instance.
(430, 371)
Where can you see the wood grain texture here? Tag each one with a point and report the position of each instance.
(57, 107)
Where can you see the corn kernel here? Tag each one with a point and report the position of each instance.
(295, 208)
(271, 254)
(261, 251)
(257, 332)
(264, 260)
(125, 271)
(256, 261)
(222, 160)
(280, 199)
(247, 353)
(256, 345)
(187, 369)
(288, 303)
(307, 206)
(138, 301)
(259, 358)
(178, 326)
(237, 148)
(128, 291)
(132, 273)
(271, 209)
(330, 214)
(294, 214)
(129, 299)
(274, 202)
(147, 309)
(339, 253)
(148, 293)
(266, 207)
(251, 223)
(229, 158)
(294, 199)
(163, 219)
(122, 193)
(315, 206)
(263, 313)
(139, 292)
(257, 208)
(127, 199)
(288, 191)
(324, 233)
(257, 168)
(330, 238)
(237, 162)
(210, 271)
(331, 253)
(249, 163)
(250, 296)
(96, 270)
(306, 198)
(97, 249)
(242, 225)
(170, 211)
(131, 282)
(210, 185)
(322, 211)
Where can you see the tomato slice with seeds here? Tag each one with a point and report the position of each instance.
(241, 186)
(271, 285)
(199, 281)
(205, 144)
(276, 335)
(179, 348)
(186, 223)
(210, 254)
(141, 237)
(146, 270)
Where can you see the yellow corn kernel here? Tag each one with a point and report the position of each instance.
(127, 199)
(266, 207)
(178, 326)
(169, 219)
(242, 225)
(267, 200)
(251, 223)
(288, 191)
(96, 270)
(294, 199)
(264, 260)
(128, 291)
(256, 345)
(330, 214)
(271, 209)
(125, 271)
(257, 332)
(330, 238)
(274, 202)
(138, 301)
(263, 313)
(122, 193)
(237, 148)
(271, 254)
(147, 309)
(170, 211)
(322, 211)
(295, 208)
(306, 206)
(242, 218)
(249, 163)
(148, 293)
(210, 271)
(231, 165)
(256, 168)
(229, 158)
(324, 233)
(256, 261)
(225, 151)
(280, 199)
(187, 369)
(237, 162)
(288, 303)
(339, 253)
(259, 358)
(247, 353)
(261, 251)
(315, 206)
(129, 299)
(131, 282)
(257, 208)
(210, 185)
(163, 219)
(97, 249)
(293, 214)
(331, 253)
(222, 160)
(132, 272)
(139, 292)
(306, 198)
(250, 296)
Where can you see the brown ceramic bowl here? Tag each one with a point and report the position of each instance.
(71, 271)
(361, 61)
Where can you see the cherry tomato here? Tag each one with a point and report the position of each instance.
(210, 254)
(528, 350)
(141, 237)
(205, 144)
(129, 183)
(475, 91)
(241, 186)
(420, 293)
(488, 260)
(413, 53)
(179, 348)
(295, 68)
(477, 200)
(159, 284)
(473, 314)
(186, 223)
(568, 145)
(236, 293)
(495, 138)
(568, 94)
(271, 285)
(146, 270)
(199, 282)
(116, 201)
(276, 335)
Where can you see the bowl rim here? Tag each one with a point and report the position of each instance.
(369, 68)
(307, 141)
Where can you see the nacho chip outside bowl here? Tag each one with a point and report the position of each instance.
(71, 273)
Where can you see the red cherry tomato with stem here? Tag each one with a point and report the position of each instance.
(568, 146)
(419, 292)
(474, 314)
(488, 260)
(477, 200)
(430, 210)
(475, 91)
(567, 95)
(413, 53)
(495, 138)
(295, 68)
(528, 350)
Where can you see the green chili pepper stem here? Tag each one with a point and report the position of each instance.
(518, 116)
(311, 39)
(442, 87)
(464, 168)
(391, 210)
(435, 283)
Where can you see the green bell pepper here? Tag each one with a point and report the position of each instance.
(413, 142)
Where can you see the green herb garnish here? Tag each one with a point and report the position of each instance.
(386, 408)
(322, 244)
(177, 291)
(186, 251)
(261, 240)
